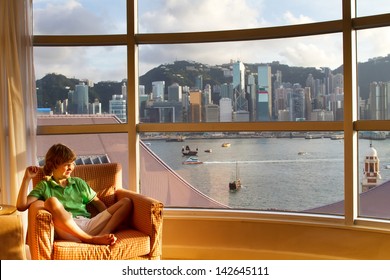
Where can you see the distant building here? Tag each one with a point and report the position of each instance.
(95, 108)
(199, 82)
(241, 116)
(124, 91)
(175, 92)
(321, 115)
(211, 113)
(158, 90)
(264, 94)
(283, 115)
(163, 112)
(80, 99)
(44, 112)
(142, 101)
(226, 110)
(378, 101)
(206, 95)
(251, 96)
(371, 172)
(239, 76)
(195, 112)
(227, 91)
(141, 90)
(117, 106)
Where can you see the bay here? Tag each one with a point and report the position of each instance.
(276, 173)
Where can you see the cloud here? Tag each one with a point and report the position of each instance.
(92, 63)
(291, 19)
(175, 16)
(108, 16)
(70, 17)
(307, 53)
(373, 43)
(187, 15)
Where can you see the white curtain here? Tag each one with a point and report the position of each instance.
(17, 96)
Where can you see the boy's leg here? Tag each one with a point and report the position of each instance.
(120, 211)
(65, 225)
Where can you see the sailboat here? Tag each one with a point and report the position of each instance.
(235, 185)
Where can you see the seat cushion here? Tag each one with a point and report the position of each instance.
(130, 244)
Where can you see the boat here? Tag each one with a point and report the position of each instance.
(313, 136)
(302, 153)
(188, 152)
(235, 185)
(225, 145)
(192, 160)
(177, 139)
(337, 137)
(208, 151)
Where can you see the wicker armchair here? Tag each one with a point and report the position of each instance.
(139, 238)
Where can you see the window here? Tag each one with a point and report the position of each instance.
(82, 17)
(212, 15)
(268, 80)
(278, 171)
(373, 81)
(367, 7)
(172, 51)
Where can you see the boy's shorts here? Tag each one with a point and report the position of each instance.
(95, 224)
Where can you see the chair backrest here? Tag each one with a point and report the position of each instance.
(97, 176)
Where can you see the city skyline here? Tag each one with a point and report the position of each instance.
(252, 96)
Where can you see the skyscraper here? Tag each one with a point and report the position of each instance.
(227, 91)
(225, 110)
(199, 82)
(80, 99)
(264, 93)
(239, 76)
(195, 106)
(211, 113)
(117, 106)
(175, 92)
(379, 100)
(124, 91)
(251, 93)
(158, 88)
(95, 108)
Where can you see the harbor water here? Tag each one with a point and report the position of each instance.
(284, 174)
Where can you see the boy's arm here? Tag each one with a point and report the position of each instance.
(99, 205)
(24, 201)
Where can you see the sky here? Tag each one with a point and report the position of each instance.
(64, 17)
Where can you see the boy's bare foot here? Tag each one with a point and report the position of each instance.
(106, 239)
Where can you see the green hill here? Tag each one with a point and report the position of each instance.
(55, 87)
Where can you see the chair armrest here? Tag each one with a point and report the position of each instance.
(147, 217)
(11, 238)
(40, 232)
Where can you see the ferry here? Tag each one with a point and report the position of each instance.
(192, 160)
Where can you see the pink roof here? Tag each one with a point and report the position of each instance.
(374, 203)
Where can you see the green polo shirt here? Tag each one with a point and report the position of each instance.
(75, 196)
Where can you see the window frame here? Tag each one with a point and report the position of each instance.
(350, 126)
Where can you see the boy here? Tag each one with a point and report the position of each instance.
(66, 197)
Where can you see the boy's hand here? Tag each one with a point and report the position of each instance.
(31, 171)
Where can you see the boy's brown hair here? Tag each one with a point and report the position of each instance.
(58, 154)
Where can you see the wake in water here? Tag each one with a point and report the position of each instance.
(276, 161)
